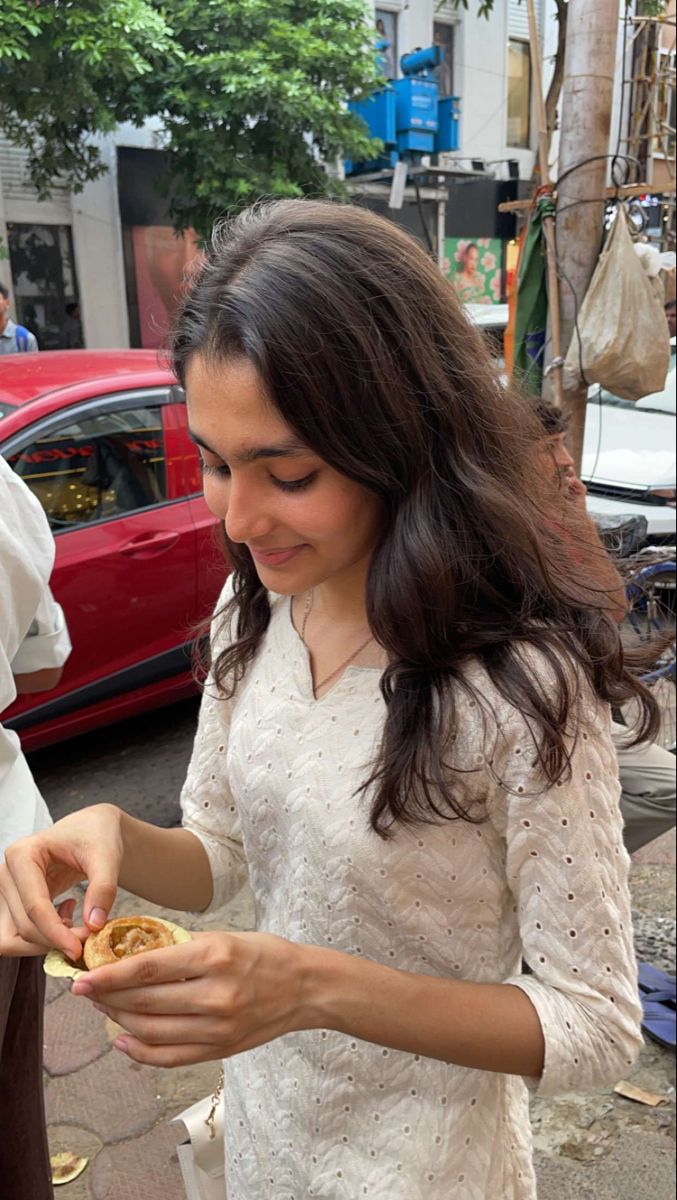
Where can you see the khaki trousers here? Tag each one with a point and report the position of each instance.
(647, 774)
(24, 1155)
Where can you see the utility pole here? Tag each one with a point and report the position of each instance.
(587, 98)
(548, 221)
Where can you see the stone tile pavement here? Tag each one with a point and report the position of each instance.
(117, 1113)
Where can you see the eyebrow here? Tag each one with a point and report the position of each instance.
(290, 448)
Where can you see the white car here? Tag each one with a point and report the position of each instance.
(629, 463)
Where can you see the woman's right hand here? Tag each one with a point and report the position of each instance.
(86, 845)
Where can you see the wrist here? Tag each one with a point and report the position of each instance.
(334, 987)
(317, 986)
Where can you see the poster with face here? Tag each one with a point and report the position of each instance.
(475, 269)
(161, 263)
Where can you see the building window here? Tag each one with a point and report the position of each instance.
(519, 95)
(386, 28)
(443, 36)
(43, 274)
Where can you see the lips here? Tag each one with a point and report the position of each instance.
(275, 558)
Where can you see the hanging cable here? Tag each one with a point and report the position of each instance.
(627, 158)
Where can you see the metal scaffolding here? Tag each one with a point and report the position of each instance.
(651, 108)
(651, 124)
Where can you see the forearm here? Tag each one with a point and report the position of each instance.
(166, 866)
(37, 681)
(489, 1027)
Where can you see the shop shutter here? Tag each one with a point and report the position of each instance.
(447, 10)
(18, 191)
(518, 20)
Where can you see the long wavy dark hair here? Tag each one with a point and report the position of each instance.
(367, 355)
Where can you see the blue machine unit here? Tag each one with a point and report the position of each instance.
(416, 114)
(408, 115)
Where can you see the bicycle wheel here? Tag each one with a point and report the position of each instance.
(652, 598)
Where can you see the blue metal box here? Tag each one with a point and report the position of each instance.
(378, 110)
(416, 104)
(449, 116)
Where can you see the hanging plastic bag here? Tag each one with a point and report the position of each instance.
(622, 341)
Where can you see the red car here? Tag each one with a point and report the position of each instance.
(100, 438)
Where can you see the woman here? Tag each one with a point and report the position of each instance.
(469, 283)
(403, 741)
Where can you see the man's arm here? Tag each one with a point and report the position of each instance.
(37, 681)
(38, 663)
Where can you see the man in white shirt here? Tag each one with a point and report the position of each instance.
(34, 644)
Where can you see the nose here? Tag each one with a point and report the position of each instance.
(563, 458)
(246, 516)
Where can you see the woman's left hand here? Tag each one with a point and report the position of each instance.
(217, 995)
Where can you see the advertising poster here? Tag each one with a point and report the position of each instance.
(161, 261)
(475, 269)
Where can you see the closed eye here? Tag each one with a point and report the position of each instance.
(222, 471)
(294, 485)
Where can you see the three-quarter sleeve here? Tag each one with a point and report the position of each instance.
(567, 869)
(208, 808)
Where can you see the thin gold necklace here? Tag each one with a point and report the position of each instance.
(308, 604)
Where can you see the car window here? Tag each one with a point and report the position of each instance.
(97, 466)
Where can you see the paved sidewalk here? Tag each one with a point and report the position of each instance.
(117, 1113)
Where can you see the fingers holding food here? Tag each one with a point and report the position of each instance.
(120, 938)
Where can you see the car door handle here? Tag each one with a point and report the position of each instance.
(153, 543)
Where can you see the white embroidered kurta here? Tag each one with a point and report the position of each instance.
(271, 793)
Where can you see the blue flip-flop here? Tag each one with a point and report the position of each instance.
(652, 979)
(658, 993)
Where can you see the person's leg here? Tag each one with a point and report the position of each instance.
(24, 1153)
(647, 774)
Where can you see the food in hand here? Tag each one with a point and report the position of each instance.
(124, 936)
(120, 938)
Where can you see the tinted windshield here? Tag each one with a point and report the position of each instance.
(5, 408)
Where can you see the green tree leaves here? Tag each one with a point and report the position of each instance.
(250, 94)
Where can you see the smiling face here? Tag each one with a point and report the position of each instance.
(470, 260)
(302, 521)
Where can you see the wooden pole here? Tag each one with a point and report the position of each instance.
(587, 96)
(548, 222)
(618, 193)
